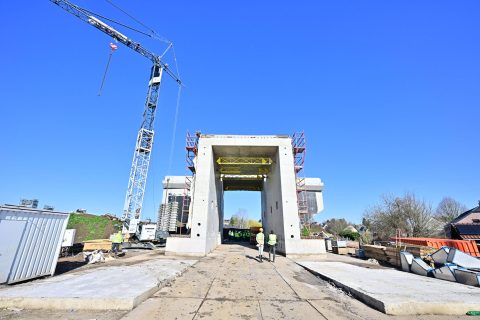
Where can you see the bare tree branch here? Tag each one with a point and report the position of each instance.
(448, 209)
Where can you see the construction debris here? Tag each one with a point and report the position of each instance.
(94, 256)
(441, 255)
(421, 268)
(468, 277)
(447, 272)
(406, 259)
(462, 259)
(451, 265)
(391, 255)
(383, 254)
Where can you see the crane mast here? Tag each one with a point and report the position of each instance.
(141, 158)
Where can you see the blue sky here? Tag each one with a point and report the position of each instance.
(386, 91)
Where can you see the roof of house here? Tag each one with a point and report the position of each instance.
(475, 211)
(467, 229)
(470, 236)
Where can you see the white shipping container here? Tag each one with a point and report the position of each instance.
(30, 242)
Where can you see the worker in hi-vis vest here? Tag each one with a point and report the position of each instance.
(260, 242)
(272, 242)
(116, 240)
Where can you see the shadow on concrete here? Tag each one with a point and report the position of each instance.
(239, 243)
(255, 258)
(66, 266)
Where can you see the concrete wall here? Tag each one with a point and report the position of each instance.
(298, 247)
(279, 199)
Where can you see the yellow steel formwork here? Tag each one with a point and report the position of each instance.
(244, 165)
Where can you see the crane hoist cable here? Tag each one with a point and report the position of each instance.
(153, 34)
(113, 48)
(174, 130)
(142, 154)
(170, 46)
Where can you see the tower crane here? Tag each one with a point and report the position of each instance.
(141, 158)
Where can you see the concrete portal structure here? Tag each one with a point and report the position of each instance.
(256, 163)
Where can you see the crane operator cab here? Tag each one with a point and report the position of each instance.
(156, 75)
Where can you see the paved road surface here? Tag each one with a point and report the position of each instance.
(230, 283)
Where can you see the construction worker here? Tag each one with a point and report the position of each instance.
(117, 239)
(260, 242)
(272, 242)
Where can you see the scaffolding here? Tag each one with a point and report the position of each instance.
(191, 147)
(299, 152)
(168, 213)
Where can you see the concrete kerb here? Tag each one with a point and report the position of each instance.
(370, 301)
(81, 303)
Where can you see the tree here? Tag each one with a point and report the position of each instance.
(412, 216)
(448, 209)
(354, 236)
(253, 223)
(233, 221)
(335, 226)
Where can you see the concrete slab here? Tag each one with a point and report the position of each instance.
(237, 289)
(292, 310)
(399, 293)
(105, 288)
(229, 309)
(166, 308)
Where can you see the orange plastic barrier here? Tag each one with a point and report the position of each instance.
(467, 246)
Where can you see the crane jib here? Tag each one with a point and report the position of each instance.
(141, 158)
(86, 16)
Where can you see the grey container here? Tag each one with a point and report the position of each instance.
(30, 242)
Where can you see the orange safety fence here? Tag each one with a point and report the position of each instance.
(467, 246)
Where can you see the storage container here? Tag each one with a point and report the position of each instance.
(30, 242)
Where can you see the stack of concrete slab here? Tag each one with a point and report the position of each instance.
(450, 264)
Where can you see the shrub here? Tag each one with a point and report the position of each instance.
(350, 235)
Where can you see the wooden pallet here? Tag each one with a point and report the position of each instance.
(98, 244)
(391, 255)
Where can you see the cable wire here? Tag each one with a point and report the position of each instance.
(174, 133)
(154, 34)
(88, 12)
